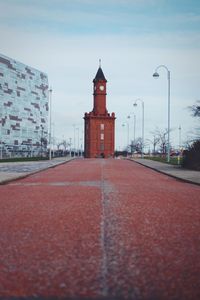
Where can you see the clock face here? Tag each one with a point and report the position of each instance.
(101, 87)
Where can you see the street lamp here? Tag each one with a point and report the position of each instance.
(53, 137)
(156, 75)
(123, 125)
(74, 126)
(135, 104)
(81, 140)
(128, 117)
(179, 150)
(50, 110)
(70, 145)
(1, 151)
(179, 137)
(78, 142)
(134, 116)
(134, 127)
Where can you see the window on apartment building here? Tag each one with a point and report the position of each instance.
(4, 131)
(102, 126)
(16, 133)
(24, 132)
(36, 134)
(102, 136)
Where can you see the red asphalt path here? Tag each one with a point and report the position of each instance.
(96, 228)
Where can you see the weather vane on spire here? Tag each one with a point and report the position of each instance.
(99, 63)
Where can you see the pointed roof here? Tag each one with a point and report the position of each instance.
(99, 75)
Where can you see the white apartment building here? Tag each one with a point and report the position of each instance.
(23, 109)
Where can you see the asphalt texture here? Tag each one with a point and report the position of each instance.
(99, 229)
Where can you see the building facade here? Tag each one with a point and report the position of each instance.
(99, 124)
(23, 109)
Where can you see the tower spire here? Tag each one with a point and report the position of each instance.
(99, 75)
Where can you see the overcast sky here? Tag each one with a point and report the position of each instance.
(66, 39)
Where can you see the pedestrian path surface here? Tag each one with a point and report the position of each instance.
(99, 229)
(11, 171)
(14, 170)
(171, 170)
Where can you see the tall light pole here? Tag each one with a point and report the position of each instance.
(179, 146)
(134, 126)
(81, 140)
(1, 156)
(135, 104)
(50, 111)
(127, 124)
(156, 75)
(1, 140)
(78, 142)
(128, 139)
(1, 149)
(179, 129)
(70, 145)
(74, 126)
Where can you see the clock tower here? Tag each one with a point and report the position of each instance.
(99, 124)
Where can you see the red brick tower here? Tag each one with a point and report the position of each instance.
(99, 124)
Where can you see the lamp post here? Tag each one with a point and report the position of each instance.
(53, 137)
(50, 110)
(70, 145)
(1, 150)
(78, 141)
(41, 139)
(134, 126)
(179, 146)
(1, 156)
(74, 126)
(123, 125)
(179, 129)
(135, 104)
(81, 140)
(156, 75)
(128, 140)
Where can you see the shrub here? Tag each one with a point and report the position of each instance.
(191, 157)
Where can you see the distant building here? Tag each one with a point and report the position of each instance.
(23, 109)
(99, 124)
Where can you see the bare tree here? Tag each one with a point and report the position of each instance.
(63, 144)
(136, 145)
(59, 144)
(195, 109)
(160, 138)
(154, 142)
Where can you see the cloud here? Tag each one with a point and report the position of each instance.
(127, 17)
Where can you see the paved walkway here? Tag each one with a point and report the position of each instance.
(99, 229)
(14, 170)
(171, 170)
